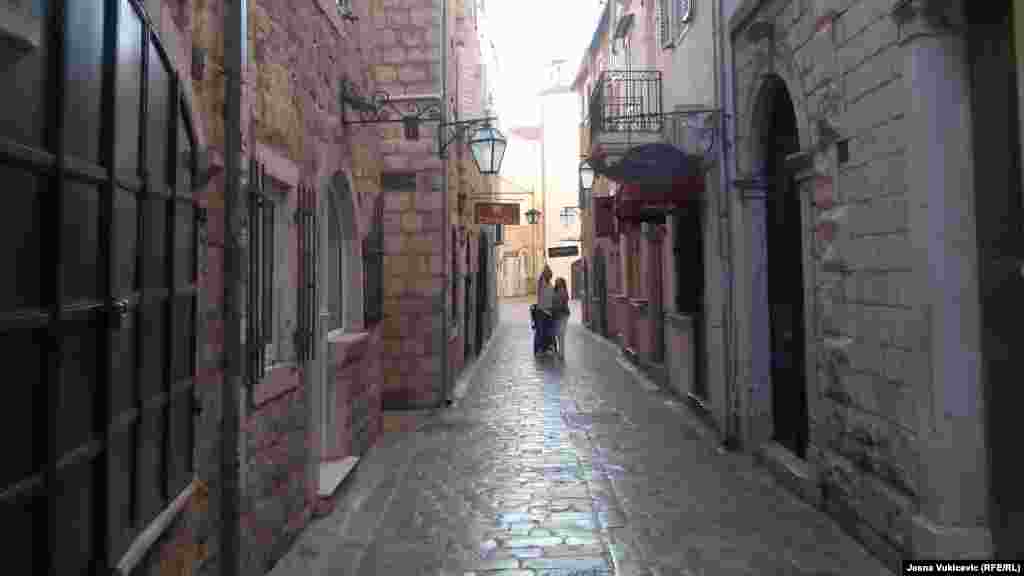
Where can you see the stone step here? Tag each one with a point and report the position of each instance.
(332, 473)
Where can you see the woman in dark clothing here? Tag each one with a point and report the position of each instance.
(560, 312)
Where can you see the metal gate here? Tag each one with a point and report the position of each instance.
(98, 303)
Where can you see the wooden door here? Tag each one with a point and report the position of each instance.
(996, 116)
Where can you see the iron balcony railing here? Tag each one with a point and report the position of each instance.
(626, 101)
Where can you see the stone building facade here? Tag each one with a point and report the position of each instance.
(429, 52)
(854, 262)
(902, 378)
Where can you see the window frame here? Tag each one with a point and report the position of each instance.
(268, 315)
(567, 215)
(672, 22)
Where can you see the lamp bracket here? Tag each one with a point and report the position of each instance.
(450, 131)
(383, 108)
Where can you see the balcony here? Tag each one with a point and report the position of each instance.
(625, 111)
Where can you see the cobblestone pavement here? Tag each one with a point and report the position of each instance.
(566, 468)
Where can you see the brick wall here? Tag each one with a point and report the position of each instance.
(843, 67)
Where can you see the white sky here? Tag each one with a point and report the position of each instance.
(528, 35)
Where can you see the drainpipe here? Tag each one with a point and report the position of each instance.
(446, 376)
(730, 431)
(234, 283)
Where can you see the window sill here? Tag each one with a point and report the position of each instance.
(279, 379)
(678, 320)
(346, 347)
(144, 541)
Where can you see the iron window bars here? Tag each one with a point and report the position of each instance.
(308, 230)
(260, 303)
(97, 154)
(373, 268)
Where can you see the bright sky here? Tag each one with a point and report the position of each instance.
(528, 35)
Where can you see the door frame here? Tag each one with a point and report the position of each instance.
(757, 421)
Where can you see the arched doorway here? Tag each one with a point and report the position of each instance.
(778, 138)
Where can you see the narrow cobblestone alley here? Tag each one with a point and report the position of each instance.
(553, 468)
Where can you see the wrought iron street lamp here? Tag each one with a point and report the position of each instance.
(586, 175)
(487, 145)
(533, 216)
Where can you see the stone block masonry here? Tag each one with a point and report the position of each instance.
(842, 66)
(414, 284)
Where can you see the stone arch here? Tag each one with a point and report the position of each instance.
(778, 67)
(343, 261)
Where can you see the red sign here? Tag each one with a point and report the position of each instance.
(497, 213)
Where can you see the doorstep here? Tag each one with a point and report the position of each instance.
(333, 473)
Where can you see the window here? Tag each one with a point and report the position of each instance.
(270, 317)
(373, 267)
(672, 17)
(568, 216)
(345, 298)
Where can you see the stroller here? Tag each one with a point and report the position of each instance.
(537, 316)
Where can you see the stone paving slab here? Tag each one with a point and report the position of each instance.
(565, 468)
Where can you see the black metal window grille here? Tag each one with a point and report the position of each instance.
(626, 101)
(98, 312)
(307, 222)
(373, 268)
(454, 276)
(260, 304)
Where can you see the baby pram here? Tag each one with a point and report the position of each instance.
(538, 319)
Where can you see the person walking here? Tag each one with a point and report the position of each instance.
(542, 332)
(560, 312)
